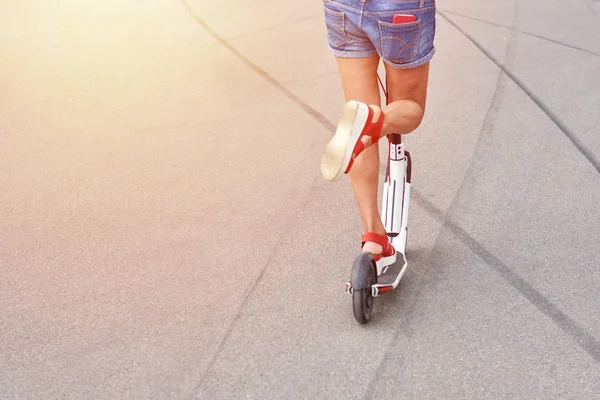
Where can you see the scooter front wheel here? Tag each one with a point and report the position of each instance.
(363, 279)
(362, 302)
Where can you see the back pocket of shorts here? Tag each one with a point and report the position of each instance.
(400, 42)
(336, 33)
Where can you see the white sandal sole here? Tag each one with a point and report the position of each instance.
(338, 151)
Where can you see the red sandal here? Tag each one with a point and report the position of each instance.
(355, 132)
(388, 255)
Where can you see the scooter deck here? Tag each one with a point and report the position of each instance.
(390, 278)
(393, 271)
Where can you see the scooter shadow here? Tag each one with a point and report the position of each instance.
(394, 306)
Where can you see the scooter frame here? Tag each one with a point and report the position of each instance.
(394, 209)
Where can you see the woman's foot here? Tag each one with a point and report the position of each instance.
(359, 127)
(372, 247)
(379, 247)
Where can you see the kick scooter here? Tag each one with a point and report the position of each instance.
(370, 279)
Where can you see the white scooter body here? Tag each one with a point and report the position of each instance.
(394, 214)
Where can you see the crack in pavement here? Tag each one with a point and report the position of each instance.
(304, 106)
(569, 326)
(513, 29)
(579, 145)
(250, 291)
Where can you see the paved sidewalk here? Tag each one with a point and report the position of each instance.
(165, 232)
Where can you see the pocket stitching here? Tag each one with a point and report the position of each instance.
(401, 28)
(341, 17)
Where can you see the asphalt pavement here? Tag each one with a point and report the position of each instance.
(165, 232)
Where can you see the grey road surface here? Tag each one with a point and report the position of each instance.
(165, 232)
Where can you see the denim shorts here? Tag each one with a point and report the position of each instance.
(363, 28)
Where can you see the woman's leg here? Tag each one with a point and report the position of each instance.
(407, 90)
(359, 80)
(407, 93)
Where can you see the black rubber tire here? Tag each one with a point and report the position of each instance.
(362, 299)
(362, 303)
